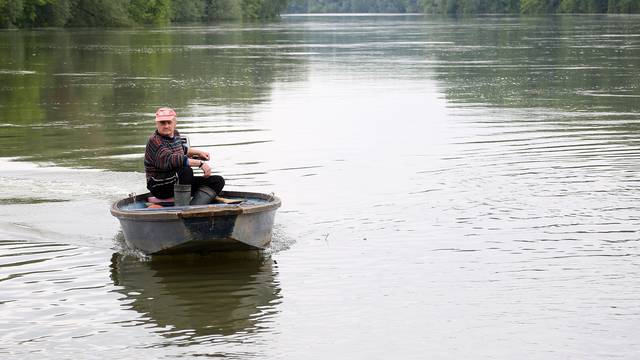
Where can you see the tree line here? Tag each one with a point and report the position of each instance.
(354, 6)
(116, 13)
(464, 6)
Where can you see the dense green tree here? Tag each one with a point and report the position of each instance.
(262, 9)
(536, 6)
(353, 6)
(465, 6)
(45, 12)
(150, 11)
(112, 13)
(100, 13)
(222, 10)
(58, 13)
(31, 9)
(188, 10)
(623, 6)
(10, 11)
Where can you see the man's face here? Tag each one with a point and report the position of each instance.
(166, 127)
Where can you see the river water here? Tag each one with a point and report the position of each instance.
(452, 188)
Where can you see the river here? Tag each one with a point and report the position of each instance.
(452, 188)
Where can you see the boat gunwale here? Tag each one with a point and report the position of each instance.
(175, 213)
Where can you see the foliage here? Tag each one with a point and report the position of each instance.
(353, 6)
(623, 6)
(150, 11)
(112, 13)
(188, 10)
(10, 11)
(262, 9)
(223, 10)
(465, 6)
(99, 13)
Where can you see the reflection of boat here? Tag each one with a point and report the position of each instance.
(198, 295)
(201, 228)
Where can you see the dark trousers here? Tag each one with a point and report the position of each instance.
(184, 176)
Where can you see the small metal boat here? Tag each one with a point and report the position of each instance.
(198, 229)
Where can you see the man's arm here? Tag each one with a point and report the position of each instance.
(200, 162)
(203, 155)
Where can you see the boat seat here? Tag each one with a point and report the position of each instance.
(155, 200)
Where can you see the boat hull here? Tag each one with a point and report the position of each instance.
(198, 229)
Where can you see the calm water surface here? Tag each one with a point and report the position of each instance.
(452, 188)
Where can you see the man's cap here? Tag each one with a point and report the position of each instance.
(165, 113)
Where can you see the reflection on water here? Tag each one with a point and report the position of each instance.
(201, 296)
(58, 298)
(550, 62)
(452, 188)
(88, 94)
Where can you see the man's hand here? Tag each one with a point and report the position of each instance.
(207, 169)
(198, 154)
(203, 155)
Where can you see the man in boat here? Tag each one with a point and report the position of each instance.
(168, 163)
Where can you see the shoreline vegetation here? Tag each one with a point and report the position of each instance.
(124, 13)
(460, 7)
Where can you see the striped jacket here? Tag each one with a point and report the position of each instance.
(164, 156)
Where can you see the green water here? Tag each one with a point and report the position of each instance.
(451, 188)
(83, 97)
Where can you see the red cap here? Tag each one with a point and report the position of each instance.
(165, 113)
